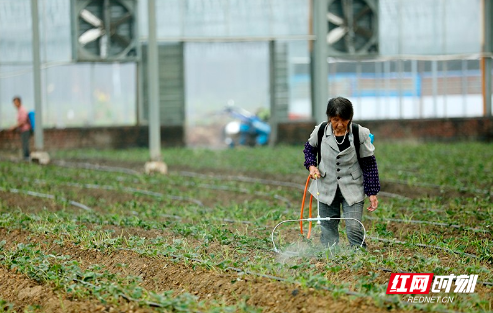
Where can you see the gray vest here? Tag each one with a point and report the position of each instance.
(340, 168)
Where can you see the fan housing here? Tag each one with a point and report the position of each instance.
(353, 27)
(105, 30)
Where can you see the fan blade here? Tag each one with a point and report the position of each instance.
(124, 42)
(122, 20)
(347, 10)
(91, 18)
(90, 35)
(334, 19)
(361, 13)
(363, 32)
(336, 34)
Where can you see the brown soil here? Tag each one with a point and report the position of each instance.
(454, 216)
(160, 274)
(108, 197)
(131, 165)
(28, 203)
(401, 189)
(401, 230)
(212, 197)
(391, 187)
(33, 204)
(25, 293)
(101, 198)
(415, 192)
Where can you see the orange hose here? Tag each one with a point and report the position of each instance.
(309, 211)
(310, 216)
(303, 202)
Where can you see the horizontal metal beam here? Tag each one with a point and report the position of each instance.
(231, 39)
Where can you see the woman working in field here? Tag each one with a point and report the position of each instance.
(344, 174)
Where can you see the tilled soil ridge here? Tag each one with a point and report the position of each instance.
(160, 274)
(25, 293)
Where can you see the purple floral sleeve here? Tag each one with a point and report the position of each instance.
(310, 155)
(371, 180)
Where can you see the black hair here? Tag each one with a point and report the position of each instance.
(17, 98)
(340, 107)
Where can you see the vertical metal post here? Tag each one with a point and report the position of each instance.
(140, 92)
(44, 95)
(38, 104)
(486, 61)
(45, 77)
(319, 60)
(105, 39)
(153, 81)
(434, 84)
(464, 87)
(273, 119)
(486, 68)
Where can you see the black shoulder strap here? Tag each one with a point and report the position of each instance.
(356, 139)
(320, 135)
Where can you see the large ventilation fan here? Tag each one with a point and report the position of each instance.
(105, 30)
(353, 27)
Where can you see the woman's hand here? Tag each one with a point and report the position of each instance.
(314, 173)
(374, 203)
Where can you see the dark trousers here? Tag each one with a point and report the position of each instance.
(25, 143)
